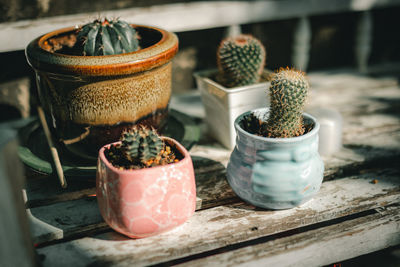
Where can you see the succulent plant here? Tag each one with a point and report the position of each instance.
(107, 37)
(288, 93)
(141, 144)
(240, 60)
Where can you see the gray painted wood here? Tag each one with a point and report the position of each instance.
(301, 44)
(190, 16)
(16, 247)
(226, 225)
(359, 179)
(322, 246)
(363, 43)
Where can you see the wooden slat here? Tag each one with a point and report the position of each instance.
(225, 225)
(322, 246)
(43, 190)
(364, 152)
(16, 248)
(188, 16)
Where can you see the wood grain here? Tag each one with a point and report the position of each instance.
(322, 246)
(361, 178)
(178, 17)
(226, 225)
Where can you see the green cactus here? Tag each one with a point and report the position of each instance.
(142, 144)
(107, 37)
(240, 60)
(288, 93)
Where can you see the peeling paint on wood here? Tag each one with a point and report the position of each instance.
(226, 225)
(322, 246)
(371, 135)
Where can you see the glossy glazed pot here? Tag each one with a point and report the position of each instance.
(223, 105)
(90, 100)
(275, 173)
(146, 202)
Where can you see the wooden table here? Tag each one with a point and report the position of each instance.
(355, 212)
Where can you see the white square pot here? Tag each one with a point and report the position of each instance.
(222, 105)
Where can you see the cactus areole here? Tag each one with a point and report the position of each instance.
(288, 93)
(107, 37)
(141, 147)
(240, 60)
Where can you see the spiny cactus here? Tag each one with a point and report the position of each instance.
(107, 37)
(288, 93)
(240, 60)
(142, 144)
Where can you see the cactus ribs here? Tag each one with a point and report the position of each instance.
(141, 148)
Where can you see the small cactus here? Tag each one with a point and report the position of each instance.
(107, 37)
(142, 144)
(240, 60)
(288, 93)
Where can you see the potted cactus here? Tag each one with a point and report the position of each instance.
(275, 163)
(100, 79)
(238, 85)
(145, 183)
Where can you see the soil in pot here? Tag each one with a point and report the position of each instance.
(253, 124)
(115, 156)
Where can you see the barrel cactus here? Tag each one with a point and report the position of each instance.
(288, 93)
(107, 37)
(142, 144)
(240, 60)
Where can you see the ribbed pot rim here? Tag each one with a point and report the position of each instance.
(296, 139)
(179, 147)
(144, 59)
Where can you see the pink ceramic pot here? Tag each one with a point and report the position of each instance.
(145, 202)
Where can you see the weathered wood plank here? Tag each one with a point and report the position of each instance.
(225, 225)
(187, 16)
(360, 157)
(16, 248)
(318, 247)
(371, 132)
(64, 219)
(45, 190)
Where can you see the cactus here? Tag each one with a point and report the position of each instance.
(107, 37)
(142, 144)
(240, 60)
(288, 92)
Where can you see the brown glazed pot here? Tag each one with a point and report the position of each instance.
(90, 100)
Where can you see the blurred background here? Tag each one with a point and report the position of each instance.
(311, 35)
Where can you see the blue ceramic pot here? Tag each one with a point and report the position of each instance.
(275, 173)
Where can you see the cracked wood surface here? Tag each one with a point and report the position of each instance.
(371, 137)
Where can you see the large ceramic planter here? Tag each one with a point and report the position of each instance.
(276, 173)
(90, 100)
(145, 202)
(223, 105)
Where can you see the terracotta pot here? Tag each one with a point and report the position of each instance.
(90, 100)
(145, 202)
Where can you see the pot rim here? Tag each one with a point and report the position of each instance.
(311, 133)
(204, 75)
(144, 59)
(181, 149)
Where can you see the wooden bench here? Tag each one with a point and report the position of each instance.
(356, 211)
(198, 15)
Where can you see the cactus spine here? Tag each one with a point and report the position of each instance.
(141, 144)
(240, 60)
(288, 93)
(107, 37)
